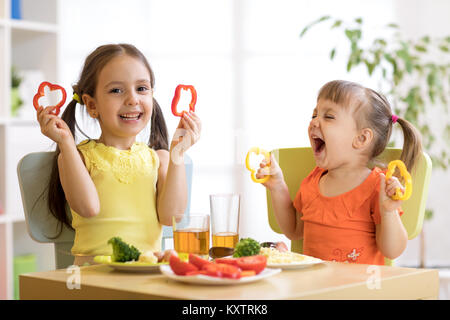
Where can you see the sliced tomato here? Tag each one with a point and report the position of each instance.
(255, 263)
(196, 272)
(248, 273)
(197, 261)
(232, 261)
(180, 267)
(222, 270)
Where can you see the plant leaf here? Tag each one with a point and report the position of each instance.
(321, 19)
(393, 25)
(420, 48)
(332, 53)
(336, 24)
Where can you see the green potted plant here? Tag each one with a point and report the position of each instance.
(16, 102)
(414, 74)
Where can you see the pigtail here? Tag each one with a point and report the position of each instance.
(412, 144)
(56, 197)
(158, 129)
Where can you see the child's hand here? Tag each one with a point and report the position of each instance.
(187, 133)
(53, 126)
(274, 170)
(387, 190)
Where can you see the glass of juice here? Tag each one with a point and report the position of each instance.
(191, 234)
(225, 219)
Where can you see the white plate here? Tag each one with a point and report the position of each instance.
(203, 279)
(295, 265)
(132, 266)
(135, 267)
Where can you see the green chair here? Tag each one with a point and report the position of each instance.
(33, 172)
(297, 163)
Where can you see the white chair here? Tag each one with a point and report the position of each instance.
(33, 172)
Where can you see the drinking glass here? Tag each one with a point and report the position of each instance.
(225, 219)
(191, 234)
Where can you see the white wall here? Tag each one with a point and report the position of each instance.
(256, 80)
(419, 18)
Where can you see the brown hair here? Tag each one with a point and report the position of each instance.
(374, 111)
(87, 84)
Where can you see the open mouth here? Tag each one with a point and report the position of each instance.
(131, 116)
(319, 144)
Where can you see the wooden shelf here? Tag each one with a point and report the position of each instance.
(31, 43)
(33, 26)
(18, 122)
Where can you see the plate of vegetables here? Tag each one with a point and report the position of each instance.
(277, 253)
(221, 271)
(128, 258)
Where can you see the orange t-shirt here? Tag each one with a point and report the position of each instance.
(341, 228)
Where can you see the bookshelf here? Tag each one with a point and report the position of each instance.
(30, 44)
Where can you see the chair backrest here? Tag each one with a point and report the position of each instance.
(33, 172)
(297, 163)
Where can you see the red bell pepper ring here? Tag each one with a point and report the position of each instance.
(41, 93)
(176, 98)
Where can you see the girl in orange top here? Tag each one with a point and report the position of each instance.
(343, 210)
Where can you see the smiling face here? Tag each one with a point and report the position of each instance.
(332, 133)
(123, 99)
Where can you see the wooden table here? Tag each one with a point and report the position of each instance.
(330, 280)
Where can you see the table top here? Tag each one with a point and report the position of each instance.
(329, 280)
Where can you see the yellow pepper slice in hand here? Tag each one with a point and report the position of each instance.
(406, 176)
(266, 154)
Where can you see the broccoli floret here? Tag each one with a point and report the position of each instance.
(246, 247)
(122, 251)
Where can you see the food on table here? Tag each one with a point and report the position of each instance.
(275, 256)
(197, 261)
(122, 251)
(232, 268)
(220, 252)
(246, 247)
(222, 271)
(148, 257)
(255, 263)
(180, 267)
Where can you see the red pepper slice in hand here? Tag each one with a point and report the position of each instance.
(176, 98)
(41, 93)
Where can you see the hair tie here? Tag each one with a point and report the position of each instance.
(76, 97)
(394, 118)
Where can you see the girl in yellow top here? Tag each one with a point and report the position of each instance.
(114, 185)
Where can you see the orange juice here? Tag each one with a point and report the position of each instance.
(191, 241)
(225, 239)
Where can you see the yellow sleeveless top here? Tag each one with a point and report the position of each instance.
(126, 185)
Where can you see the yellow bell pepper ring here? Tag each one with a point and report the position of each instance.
(406, 176)
(253, 171)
